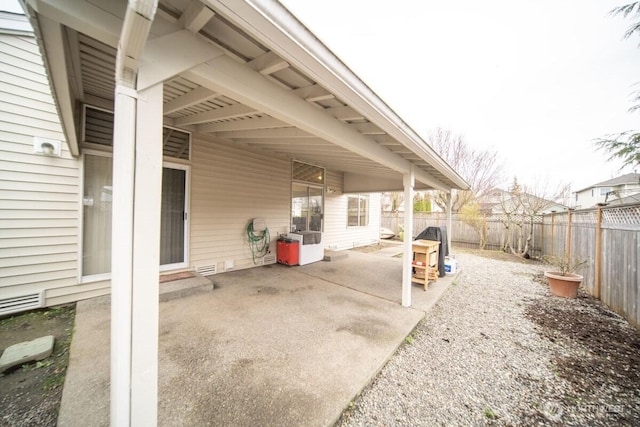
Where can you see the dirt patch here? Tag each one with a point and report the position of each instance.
(30, 395)
(597, 353)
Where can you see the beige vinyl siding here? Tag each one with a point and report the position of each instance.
(39, 205)
(231, 185)
(337, 235)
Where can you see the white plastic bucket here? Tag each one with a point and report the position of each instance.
(450, 266)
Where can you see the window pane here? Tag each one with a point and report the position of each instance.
(172, 216)
(364, 210)
(96, 201)
(352, 212)
(308, 173)
(315, 209)
(299, 207)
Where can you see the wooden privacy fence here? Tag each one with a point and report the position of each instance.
(607, 237)
(464, 235)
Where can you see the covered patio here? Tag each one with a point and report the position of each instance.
(269, 346)
(253, 90)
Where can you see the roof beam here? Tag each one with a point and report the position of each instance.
(54, 44)
(194, 97)
(259, 123)
(298, 142)
(268, 63)
(367, 129)
(84, 17)
(313, 93)
(277, 133)
(250, 88)
(195, 16)
(345, 113)
(166, 57)
(230, 112)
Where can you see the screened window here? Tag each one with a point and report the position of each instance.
(308, 173)
(98, 129)
(358, 211)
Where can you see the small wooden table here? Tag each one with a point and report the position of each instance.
(425, 261)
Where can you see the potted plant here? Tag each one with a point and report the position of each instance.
(563, 282)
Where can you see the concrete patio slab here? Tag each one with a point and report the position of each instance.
(269, 346)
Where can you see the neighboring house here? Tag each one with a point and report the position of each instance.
(499, 201)
(609, 191)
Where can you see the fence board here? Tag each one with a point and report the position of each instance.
(619, 257)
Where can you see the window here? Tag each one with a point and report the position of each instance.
(306, 208)
(98, 132)
(307, 173)
(604, 190)
(358, 211)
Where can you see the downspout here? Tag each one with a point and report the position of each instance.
(135, 30)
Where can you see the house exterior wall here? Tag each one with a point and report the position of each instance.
(39, 214)
(41, 210)
(339, 236)
(592, 196)
(229, 187)
(589, 197)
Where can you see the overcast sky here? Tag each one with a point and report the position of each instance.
(535, 80)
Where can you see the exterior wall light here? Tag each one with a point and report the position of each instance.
(47, 147)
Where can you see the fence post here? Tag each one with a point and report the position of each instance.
(553, 229)
(598, 254)
(568, 244)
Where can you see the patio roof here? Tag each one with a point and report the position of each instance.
(247, 72)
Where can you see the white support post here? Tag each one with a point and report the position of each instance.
(449, 219)
(124, 136)
(146, 258)
(407, 253)
(137, 187)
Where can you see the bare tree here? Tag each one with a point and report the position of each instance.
(520, 208)
(480, 168)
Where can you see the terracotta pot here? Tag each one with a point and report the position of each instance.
(563, 286)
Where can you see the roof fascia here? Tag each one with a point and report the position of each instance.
(270, 20)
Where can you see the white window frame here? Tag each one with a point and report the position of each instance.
(359, 197)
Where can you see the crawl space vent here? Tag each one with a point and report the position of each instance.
(207, 270)
(21, 303)
(269, 259)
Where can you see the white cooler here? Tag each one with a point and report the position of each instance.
(311, 247)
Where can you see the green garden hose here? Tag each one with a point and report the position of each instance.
(258, 241)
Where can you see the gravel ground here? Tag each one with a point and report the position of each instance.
(486, 355)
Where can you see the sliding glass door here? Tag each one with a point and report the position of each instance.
(96, 202)
(173, 218)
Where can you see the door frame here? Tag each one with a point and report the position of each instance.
(187, 222)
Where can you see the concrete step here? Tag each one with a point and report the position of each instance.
(334, 255)
(180, 285)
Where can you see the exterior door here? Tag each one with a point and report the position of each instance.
(173, 218)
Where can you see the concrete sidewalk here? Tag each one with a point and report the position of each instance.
(269, 346)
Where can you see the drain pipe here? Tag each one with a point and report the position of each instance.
(135, 30)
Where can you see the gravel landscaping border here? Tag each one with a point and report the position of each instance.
(496, 351)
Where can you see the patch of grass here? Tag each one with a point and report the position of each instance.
(409, 339)
(488, 412)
